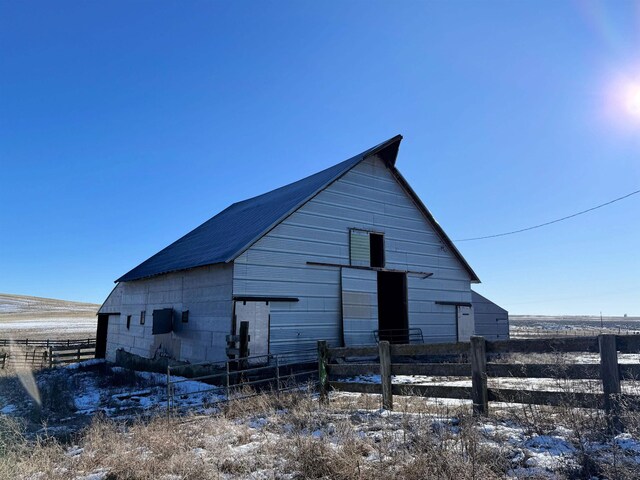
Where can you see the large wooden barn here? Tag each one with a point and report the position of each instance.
(348, 255)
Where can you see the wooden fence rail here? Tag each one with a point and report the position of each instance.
(479, 351)
(44, 353)
(5, 342)
(63, 354)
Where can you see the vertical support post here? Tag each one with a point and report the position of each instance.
(385, 374)
(78, 353)
(50, 357)
(610, 376)
(228, 388)
(244, 344)
(277, 375)
(168, 393)
(322, 372)
(480, 396)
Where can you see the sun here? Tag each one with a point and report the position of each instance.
(632, 100)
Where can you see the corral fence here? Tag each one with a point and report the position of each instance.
(338, 362)
(36, 354)
(244, 377)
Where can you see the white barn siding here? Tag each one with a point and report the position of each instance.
(367, 197)
(204, 291)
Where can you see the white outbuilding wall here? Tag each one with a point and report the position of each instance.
(205, 292)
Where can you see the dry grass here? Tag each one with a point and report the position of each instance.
(291, 436)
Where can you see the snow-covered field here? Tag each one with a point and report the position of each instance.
(526, 326)
(43, 318)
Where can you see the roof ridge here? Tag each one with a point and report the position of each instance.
(231, 231)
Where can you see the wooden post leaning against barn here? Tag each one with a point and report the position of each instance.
(478, 356)
(385, 374)
(323, 379)
(610, 376)
(244, 345)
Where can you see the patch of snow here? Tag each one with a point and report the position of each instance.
(7, 409)
(626, 442)
(85, 363)
(87, 402)
(97, 475)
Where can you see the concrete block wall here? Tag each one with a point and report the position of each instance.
(205, 292)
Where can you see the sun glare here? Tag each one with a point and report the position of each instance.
(632, 99)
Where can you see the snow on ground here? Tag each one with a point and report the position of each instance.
(121, 394)
(54, 323)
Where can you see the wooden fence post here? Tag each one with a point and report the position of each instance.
(480, 396)
(322, 372)
(610, 376)
(244, 344)
(277, 375)
(385, 374)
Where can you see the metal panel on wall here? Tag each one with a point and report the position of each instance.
(359, 306)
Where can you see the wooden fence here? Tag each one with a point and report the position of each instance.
(65, 354)
(478, 351)
(37, 354)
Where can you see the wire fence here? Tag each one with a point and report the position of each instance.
(242, 378)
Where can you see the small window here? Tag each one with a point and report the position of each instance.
(142, 315)
(128, 322)
(366, 249)
(185, 316)
(376, 248)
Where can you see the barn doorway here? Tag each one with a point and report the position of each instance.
(101, 336)
(393, 322)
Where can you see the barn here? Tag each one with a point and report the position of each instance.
(349, 255)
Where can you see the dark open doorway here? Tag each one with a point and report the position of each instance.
(393, 322)
(101, 336)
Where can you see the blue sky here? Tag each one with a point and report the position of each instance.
(123, 125)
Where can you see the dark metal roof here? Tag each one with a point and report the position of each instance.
(232, 231)
(225, 236)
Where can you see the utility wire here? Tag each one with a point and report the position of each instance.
(552, 221)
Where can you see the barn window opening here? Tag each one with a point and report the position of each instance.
(128, 322)
(142, 317)
(366, 249)
(376, 248)
(185, 316)
(162, 321)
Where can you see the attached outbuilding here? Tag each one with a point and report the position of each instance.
(491, 320)
(349, 255)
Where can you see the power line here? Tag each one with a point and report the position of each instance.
(552, 221)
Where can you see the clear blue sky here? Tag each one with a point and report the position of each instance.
(123, 125)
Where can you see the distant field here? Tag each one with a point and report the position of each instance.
(539, 325)
(45, 318)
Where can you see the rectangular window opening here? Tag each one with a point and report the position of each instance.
(366, 249)
(376, 242)
(185, 316)
(128, 322)
(142, 317)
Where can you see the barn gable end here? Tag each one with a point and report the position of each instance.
(369, 198)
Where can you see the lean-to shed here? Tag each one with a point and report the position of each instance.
(348, 255)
